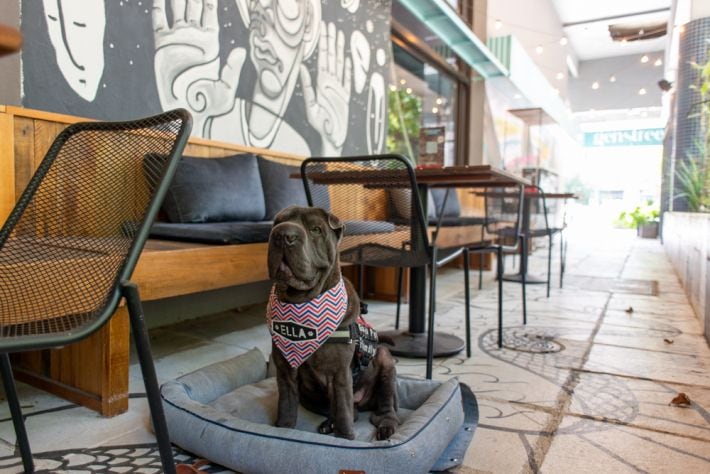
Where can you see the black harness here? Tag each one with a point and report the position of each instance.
(365, 339)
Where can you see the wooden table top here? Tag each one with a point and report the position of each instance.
(10, 40)
(450, 176)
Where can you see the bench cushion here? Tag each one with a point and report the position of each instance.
(245, 232)
(214, 232)
(215, 190)
(225, 413)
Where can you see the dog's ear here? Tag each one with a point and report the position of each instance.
(337, 225)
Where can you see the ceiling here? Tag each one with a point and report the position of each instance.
(586, 25)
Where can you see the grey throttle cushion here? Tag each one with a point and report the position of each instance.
(452, 207)
(280, 189)
(215, 190)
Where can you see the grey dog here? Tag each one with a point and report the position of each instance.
(303, 263)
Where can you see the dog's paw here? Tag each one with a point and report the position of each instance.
(326, 427)
(386, 429)
(285, 423)
(345, 434)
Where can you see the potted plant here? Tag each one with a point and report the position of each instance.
(644, 218)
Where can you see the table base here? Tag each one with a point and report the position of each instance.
(529, 279)
(413, 345)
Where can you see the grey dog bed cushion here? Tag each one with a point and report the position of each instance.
(225, 413)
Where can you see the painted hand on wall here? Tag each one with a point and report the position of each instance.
(187, 61)
(328, 106)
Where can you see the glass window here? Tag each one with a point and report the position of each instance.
(422, 108)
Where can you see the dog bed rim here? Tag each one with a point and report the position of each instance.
(280, 438)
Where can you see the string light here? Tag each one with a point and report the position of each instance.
(563, 41)
(539, 49)
(402, 81)
(560, 76)
(434, 110)
(498, 25)
(409, 90)
(595, 85)
(658, 62)
(439, 100)
(642, 91)
(393, 88)
(644, 58)
(612, 78)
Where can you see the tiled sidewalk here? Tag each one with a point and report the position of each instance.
(584, 387)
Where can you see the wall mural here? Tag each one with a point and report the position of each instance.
(304, 76)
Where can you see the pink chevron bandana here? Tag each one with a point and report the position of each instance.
(299, 329)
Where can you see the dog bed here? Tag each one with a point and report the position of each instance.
(225, 413)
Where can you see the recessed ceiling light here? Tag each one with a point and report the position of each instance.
(564, 41)
(434, 110)
(560, 76)
(498, 25)
(658, 62)
(642, 91)
(644, 58)
(612, 78)
(439, 100)
(682, 29)
(539, 49)
(595, 85)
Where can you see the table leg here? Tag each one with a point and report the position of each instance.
(413, 342)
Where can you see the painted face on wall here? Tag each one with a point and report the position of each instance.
(76, 30)
(276, 33)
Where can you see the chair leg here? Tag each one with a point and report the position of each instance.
(499, 270)
(430, 329)
(523, 282)
(563, 256)
(549, 265)
(140, 335)
(361, 281)
(400, 279)
(467, 298)
(17, 421)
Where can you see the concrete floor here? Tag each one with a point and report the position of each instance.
(584, 387)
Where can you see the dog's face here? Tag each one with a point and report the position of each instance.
(303, 252)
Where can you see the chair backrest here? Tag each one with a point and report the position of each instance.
(362, 191)
(79, 227)
(545, 213)
(504, 213)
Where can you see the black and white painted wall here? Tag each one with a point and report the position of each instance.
(304, 76)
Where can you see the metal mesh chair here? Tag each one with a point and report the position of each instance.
(547, 219)
(69, 246)
(363, 191)
(504, 208)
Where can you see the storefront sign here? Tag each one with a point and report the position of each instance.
(633, 137)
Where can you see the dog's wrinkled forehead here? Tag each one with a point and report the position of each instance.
(308, 216)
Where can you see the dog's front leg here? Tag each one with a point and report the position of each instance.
(287, 382)
(341, 405)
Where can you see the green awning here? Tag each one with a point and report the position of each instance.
(441, 18)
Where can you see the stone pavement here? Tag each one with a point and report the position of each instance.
(586, 386)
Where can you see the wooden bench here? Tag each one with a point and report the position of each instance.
(94, 372)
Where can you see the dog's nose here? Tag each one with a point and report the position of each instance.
(286, 236)
(290, 237)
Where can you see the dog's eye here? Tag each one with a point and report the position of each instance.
(316, 230)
